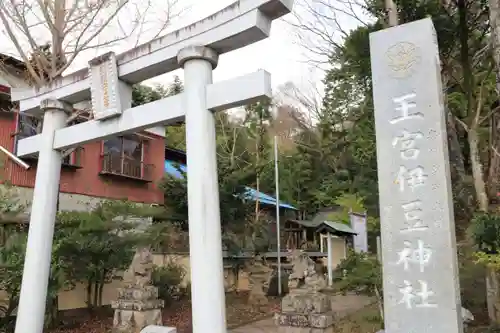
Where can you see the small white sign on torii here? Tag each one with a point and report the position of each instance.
(107, 82)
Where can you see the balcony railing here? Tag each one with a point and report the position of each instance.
(115, 164)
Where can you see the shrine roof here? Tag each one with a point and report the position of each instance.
(305, 223)
(335, 228)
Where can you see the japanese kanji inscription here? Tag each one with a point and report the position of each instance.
(420, 276)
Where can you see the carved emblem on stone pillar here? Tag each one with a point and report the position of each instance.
(403, 59)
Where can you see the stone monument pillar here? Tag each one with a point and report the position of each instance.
(138, 305)
(419, 253)
(305, 309)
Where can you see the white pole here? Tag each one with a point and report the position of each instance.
(31, 310)
(16, 159)
(278, 231)
(330, 258)
(205, 241)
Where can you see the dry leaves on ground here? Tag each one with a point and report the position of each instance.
(177, 315)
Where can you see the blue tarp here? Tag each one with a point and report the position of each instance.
(176, 170)
(253, 194)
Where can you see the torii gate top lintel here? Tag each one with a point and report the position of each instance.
(238, 25)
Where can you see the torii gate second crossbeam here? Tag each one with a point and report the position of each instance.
(107, 82)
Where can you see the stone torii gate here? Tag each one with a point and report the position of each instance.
(107, 82)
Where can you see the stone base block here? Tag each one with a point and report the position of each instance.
(320, 321)
(289, 329)
(159, 329)
(309, 303)
(128, 321)
(131, 305)
(138, 293)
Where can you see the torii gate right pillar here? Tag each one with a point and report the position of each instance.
(205, 239)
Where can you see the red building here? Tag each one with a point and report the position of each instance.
(125, 167)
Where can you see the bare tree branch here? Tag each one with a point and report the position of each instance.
(321, 25)
(48, 36)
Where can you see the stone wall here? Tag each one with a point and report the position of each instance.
(75, 298)
(67, 201)
(232, 280)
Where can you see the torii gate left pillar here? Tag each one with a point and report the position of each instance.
(33, 297)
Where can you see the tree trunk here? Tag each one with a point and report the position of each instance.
(494, 166)
(380, 303)
(477, 170)
(89, 294)
(464, 204)
(492, 292)
(101, 288)
(96, 292)
(52, 312)
(494, 159)
(492, 295)
(55, 311)
(455, 151)
(495, 36)
(392, 13)
(492, 282)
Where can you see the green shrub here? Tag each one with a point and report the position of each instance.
(361, 273)
(168, 280)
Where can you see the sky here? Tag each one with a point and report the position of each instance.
(281, 54)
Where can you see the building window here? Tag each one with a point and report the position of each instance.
(124, 156)
(132, 149)
(113, 146)
(72, 158)
(26, 126)
(128, 147)
(68, 159)
(5, 105)
(5, 102)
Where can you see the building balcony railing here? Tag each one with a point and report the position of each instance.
(115, 164)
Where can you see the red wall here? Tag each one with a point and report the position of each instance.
(87, 180)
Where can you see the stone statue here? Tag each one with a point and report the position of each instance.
(258, 275)
(138, 305)
(140, 270)
(304, 275)
(306, 308)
